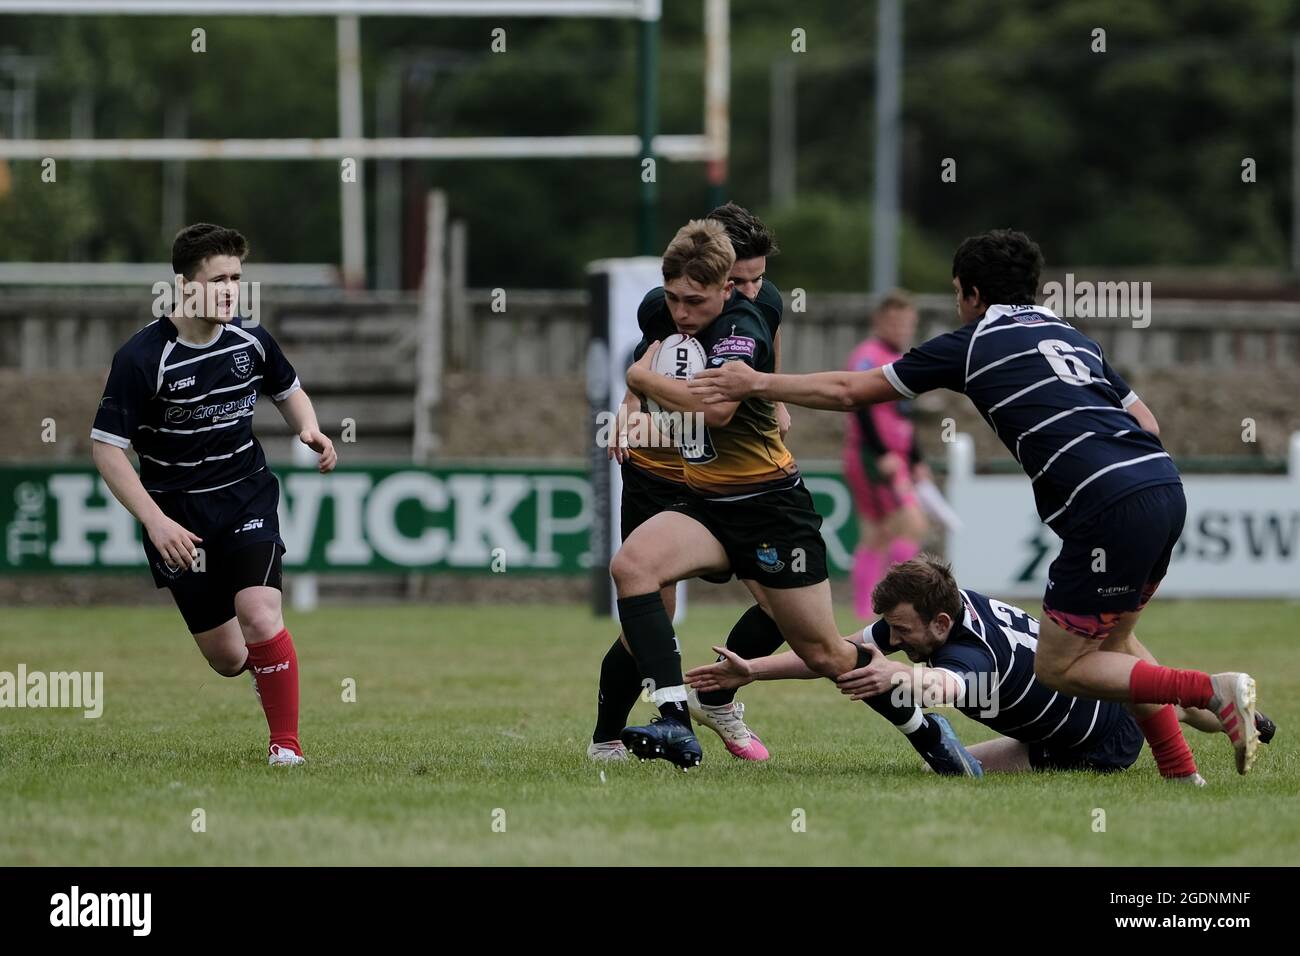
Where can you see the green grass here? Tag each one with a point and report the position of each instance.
(461, 711)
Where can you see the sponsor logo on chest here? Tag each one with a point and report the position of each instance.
(217, 411)
(180, 383)
(733, 346)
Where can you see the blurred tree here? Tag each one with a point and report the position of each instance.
(1127, 157)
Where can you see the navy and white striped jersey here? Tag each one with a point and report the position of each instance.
(991, 651)
(188, 409)
(1052, 398)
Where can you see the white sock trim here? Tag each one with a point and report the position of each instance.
(914, 722)
(665, 695)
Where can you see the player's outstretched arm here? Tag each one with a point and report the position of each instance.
(174, 542)
(298, 412)
(836, 391)
(734, 671)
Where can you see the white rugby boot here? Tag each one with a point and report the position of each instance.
(728, 722)
(607, 751)
(284, 757)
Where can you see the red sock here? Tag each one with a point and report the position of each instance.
(1173, 756)
(1153, 684)
(274, 664)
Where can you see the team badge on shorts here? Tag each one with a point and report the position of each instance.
(243, 364)
(167, 571)
(768, 559)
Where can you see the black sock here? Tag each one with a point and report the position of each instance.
(676, 710)
(864, 655)
(754, 635)
(620, 685)
(649, 633)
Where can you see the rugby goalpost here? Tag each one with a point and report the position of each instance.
(630, 277)
(711, 146)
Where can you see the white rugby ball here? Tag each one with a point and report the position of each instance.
(680, 357)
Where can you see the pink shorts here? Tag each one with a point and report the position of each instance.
(877, 500)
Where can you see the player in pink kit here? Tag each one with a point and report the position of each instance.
(881, 459)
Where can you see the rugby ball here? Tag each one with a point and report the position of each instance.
(680, 357)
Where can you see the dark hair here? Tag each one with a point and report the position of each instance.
(749, 236)
(1003, 264)
(195, 243)
(925, 582)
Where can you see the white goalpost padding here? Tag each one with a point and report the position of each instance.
(617, 287)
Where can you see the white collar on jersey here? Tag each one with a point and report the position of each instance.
(193, 345)
(196, 345)
(998, 311)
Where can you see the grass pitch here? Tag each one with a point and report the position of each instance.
(466, 745)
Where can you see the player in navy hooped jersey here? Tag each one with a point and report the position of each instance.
(978, 655)
(1101, 480)
(181, 392)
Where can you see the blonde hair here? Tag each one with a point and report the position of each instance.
(702, 252)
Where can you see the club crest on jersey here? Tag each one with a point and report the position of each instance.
(243, 364)
(768, 559)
